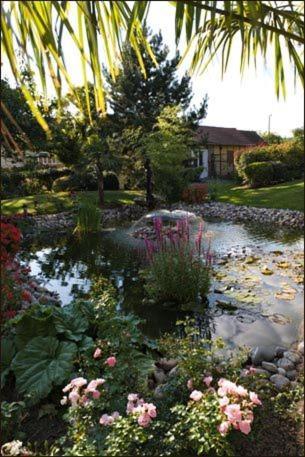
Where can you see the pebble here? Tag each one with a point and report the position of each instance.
(285, 363)
(166, 364)
(159, 376)
(173, 372)
(293, 356)
(301, 347)
(291, 375)
(281, 371)
(270, 367)
(159, 392)
(279, 351)
(279, 381)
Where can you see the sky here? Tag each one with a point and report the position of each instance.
(244, 103)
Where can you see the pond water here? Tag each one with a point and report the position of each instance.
(67, 265)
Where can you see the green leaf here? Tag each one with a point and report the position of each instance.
(8, 352)
(42, 364)
(71, 323)
(34, 323)
(86, 344)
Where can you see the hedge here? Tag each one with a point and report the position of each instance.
(286, 162)
(16, 183)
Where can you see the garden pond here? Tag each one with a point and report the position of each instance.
(256, 294)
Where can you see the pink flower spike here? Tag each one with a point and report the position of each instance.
(196, 395)
(115, 415)
(111, 361)
(207, 380)
(245, 427)
(254, 398)
(223, 428)
(97, 353)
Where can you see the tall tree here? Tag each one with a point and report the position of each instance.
(169, 147)
(137, 102)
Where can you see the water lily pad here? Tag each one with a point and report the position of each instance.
(266, 271)
(279, 318)
(287, 293)
(218, 275)
(283, 265)
(299, 279)
(251, 259)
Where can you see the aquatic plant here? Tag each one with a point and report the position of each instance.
(88, 217)
(178, 270)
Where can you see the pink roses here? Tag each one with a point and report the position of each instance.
(78, 395)
(108, 420)
(145, 411)
(236, 404)
(111, 361)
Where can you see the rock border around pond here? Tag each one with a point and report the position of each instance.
(225, 211)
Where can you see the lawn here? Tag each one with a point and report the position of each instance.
(51, 202)
(288, 195)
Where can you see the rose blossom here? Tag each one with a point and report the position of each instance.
(74, 397)
(223, 428)
(254, 398)
(190, 384)
(106, 420)
(64, 400)
(97, 353)
(132, 397)
(144, 420)
(207, 380)
(224, 401)
(233, 412)
(77, 382)
(111, 361)
(196, 395)
(245, 427)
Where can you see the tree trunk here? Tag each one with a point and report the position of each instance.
(149, 185)
(100, 184)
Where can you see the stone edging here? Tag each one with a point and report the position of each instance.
(225, 211)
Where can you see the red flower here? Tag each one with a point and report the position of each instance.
(25, 295)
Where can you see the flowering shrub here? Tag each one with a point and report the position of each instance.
(178, 272)
(10, 241)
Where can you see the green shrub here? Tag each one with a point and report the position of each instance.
(290, 154)
(65, 183)
(259, 173)
(32, 186)
(20, 182)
